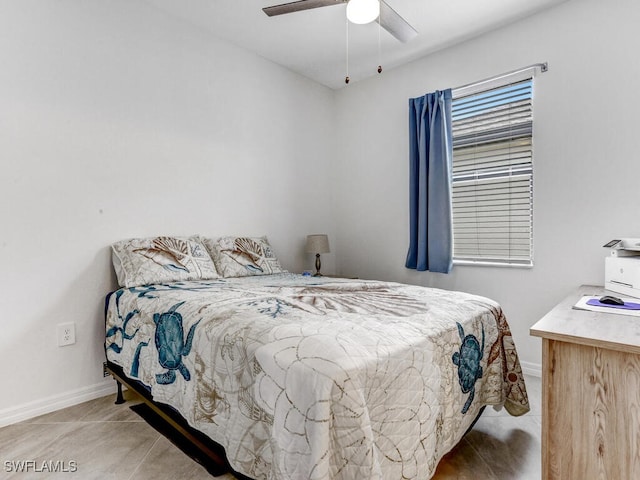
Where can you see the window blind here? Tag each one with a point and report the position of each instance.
(493, 175)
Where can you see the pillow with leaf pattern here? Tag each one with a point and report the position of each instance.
(144, 261)
(243, 256)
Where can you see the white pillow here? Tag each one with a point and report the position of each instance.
(243, 256)
(145, 261)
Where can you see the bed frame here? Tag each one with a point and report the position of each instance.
(214, 452)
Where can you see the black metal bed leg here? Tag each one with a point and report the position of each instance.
(120, 398)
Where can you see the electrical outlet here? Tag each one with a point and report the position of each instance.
(105, 372)
(66, 334)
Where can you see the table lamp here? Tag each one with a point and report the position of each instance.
(317, 244)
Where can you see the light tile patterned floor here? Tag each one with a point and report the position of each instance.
(110, 441)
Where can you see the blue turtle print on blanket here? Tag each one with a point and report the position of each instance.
(171, 344)
(468, 361)
(150, 291)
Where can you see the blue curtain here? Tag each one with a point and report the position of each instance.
(430, 157)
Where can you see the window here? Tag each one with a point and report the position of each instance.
(492, 191)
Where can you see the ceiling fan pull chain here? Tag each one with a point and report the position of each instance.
(379, 47)
(346, 79)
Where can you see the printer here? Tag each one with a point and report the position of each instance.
(622, 266)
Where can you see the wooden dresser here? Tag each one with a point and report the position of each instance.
(590, 392)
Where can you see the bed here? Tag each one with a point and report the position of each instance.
(301, 377)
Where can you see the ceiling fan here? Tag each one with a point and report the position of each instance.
(390, 20)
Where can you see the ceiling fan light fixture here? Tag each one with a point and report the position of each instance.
(363, 11)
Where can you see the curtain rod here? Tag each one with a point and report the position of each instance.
(542, 66)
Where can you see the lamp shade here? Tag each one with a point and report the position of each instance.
(317, 244)
(363, 11)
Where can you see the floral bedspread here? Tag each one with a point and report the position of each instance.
(319, 378)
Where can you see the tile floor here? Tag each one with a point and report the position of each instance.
(500, 447)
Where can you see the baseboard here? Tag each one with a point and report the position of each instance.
(29, 410)
(533, 369)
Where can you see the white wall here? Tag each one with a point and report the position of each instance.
(585, 144)
(116, 121)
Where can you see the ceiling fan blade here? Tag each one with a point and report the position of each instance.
(393, 23)
(299, 6)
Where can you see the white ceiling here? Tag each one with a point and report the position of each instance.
(313, 42)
